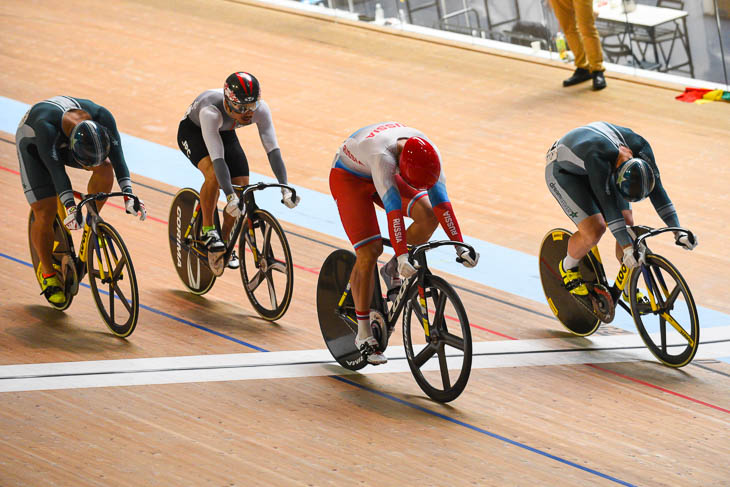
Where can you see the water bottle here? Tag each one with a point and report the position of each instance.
(379, 13)
(561, 45)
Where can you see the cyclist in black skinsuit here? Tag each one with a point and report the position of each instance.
(55, 133)
(594, 172)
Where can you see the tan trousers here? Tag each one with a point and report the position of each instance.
(576, 20)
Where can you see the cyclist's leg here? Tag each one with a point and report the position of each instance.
(578, 202)
(101, 181)
(354, 198)
(41, 196)
(209, 191)
(41, 231)
(238, 168)
(191, 143)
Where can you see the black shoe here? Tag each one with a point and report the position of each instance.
(599, 81)
(580, 75)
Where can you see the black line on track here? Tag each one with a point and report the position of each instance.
(710, 369)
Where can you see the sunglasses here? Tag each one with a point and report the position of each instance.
(243, 107)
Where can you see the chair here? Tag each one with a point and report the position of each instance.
(662, 35)
(614, 52)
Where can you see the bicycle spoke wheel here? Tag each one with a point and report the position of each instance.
(672, 332)
(112, 280)
(266, 265)
(62, 247)
(190, 262)
(440, 358)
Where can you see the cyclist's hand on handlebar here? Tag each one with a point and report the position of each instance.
(684, 241)
(232, 205)
(405, 268)
(630, 259)
(287, 200)
(129, 205)
(465, 258)
(73, 220)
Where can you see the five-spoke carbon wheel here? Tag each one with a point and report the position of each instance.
(112, 280)
(440, 358)
(266, 265)
(672, 333)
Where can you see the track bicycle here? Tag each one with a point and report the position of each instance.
(666, 317)
(428, 303)
(266, 268)
(104, 256)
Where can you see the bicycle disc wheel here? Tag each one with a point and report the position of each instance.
(62, 246)
(672, 333)
(112, 280)
(190, 263)
(266, 265)
(577, 319)
(338, 333)
(446, 348)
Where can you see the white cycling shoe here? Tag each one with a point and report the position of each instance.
(369, 348)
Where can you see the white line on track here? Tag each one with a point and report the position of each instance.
(317, 363)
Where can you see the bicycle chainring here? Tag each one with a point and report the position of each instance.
(603, 305)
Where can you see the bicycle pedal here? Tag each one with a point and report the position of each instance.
(380, 329)
(70, 275)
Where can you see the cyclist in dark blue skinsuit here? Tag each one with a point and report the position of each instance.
(55, 133)
(595, 172)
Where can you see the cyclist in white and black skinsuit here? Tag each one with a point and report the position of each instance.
(207, 137)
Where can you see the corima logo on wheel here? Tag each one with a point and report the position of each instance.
(179, 231)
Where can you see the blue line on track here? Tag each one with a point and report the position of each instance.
(374, 391)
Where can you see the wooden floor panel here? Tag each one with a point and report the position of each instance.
(493, 117)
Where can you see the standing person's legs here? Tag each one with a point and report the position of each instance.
(591, 42)
(566, 15)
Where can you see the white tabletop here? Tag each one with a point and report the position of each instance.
(644, 15)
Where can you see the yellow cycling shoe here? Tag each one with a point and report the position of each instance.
(641, 300)
(573, 281)
(51, 288)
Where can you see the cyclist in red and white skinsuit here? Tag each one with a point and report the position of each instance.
(391, 165)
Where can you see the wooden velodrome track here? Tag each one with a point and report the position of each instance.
(598, 422)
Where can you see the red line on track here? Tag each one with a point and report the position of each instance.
(648, 384)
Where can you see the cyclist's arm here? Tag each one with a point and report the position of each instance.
(443, 210)
(384, 181)
(45, 135)
(116, 156)
(211, 120)
(599, 175)
(658, 197)
(265, 124)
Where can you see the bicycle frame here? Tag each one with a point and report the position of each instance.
(247, 205)
(93, 218)
(417, 256)
(640, 234)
